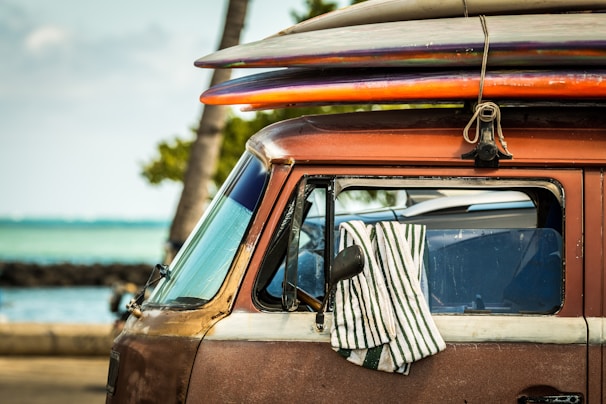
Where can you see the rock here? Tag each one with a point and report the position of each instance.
(20, 274)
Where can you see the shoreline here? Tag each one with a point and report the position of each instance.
(55, 339)
(63, 339)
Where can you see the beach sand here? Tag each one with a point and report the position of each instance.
(52, 379)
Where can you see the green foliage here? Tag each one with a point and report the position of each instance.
(314, 9)
(235, 134)
(171, 160)
(170, 163)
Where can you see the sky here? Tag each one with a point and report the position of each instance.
(89, 88)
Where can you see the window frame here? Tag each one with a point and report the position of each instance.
(374, 177)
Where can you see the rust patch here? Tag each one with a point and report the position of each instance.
(312, 372)
(153, 369)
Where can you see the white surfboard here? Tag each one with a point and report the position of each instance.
(377, 11)
(515, 40)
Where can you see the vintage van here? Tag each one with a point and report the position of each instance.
(502, 253)
(514, 265)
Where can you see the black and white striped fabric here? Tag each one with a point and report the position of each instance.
(381, 319)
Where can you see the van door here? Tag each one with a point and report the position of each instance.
(503, 279)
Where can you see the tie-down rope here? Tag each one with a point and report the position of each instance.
(485, 111)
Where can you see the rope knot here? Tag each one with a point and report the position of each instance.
(486, 112)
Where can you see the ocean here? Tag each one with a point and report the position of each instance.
(79, 242)
(69, 305)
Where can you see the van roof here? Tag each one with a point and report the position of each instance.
(562, 136)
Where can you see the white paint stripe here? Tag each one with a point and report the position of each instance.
(597, 330)
(453, 328)
(536, 329)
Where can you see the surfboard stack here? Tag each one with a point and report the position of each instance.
(403, 51)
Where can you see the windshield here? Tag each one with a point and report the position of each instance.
(201, 267)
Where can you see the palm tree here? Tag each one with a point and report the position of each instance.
(205, 149)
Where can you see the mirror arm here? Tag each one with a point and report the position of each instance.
(347, 264)
(320, 313)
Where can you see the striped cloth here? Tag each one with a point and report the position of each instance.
(381, 319)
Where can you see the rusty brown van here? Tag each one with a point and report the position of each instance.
(380, 257)
(221, 328)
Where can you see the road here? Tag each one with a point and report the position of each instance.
(52, 379)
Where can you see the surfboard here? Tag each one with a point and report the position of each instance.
(297, 87)
(378, 11)
(518, 40)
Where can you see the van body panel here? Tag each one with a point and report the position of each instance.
(595, 281)
(536, 137)
(308, 371)
(594, 242)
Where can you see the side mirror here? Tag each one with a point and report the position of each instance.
(347, 264)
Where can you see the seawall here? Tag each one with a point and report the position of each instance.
(55, 339)
(22, 274)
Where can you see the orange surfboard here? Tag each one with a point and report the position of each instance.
(297, 87)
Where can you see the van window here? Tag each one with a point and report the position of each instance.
(201, 267)
(488, 248)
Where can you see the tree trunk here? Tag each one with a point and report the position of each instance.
(205, 149)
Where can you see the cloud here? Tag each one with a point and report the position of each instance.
(45, 38)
